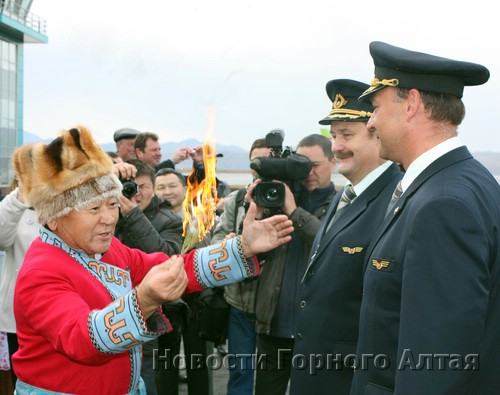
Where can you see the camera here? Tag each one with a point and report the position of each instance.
(269, 194)
(129, 188)
(282, 164)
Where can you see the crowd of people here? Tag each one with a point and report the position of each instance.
(386, 285)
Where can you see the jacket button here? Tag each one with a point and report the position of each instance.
(310, 272)
(299, 336)
(303, 304)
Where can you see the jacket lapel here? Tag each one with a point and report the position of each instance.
(360, 204)
(448, 159)
(329, 215)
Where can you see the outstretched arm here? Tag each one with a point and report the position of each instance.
(214, 265)
(264, 235)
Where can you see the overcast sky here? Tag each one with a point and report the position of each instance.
(262, 64)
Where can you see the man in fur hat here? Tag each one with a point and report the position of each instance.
(84, 302)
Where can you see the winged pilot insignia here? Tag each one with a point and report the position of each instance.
(380, 264)
(352, 250)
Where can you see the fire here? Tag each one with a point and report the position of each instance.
(201, 196)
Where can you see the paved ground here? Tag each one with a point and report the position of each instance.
(219, 381)
(218, 377)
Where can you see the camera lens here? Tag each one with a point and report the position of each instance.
(269, 194)
(272, 194)
(130, 189)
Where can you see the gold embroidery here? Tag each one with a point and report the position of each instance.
(380, 264)
(352, 250)
(376, 83)
(347, 113)
(339, 101)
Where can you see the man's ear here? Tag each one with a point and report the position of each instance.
(414, 103)
(52, 225)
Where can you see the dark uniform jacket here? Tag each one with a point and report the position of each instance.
(306, 226)
(431, 304)
(331, 290)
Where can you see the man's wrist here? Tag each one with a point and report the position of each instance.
(147, 305)
(244, 247)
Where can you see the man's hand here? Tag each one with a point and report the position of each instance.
(163, 283)
(289, 205)
(197, 154)
(249, 198)
(124, 170)
(264, 235)
(126, 205)
(180, 155)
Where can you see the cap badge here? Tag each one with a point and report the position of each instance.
(339, 101)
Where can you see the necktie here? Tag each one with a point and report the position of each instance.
(395, 197)
(347, 197)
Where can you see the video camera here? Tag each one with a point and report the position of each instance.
(283, 165)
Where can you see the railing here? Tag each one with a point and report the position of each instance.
(28, 19)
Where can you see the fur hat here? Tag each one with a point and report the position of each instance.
(70, 173)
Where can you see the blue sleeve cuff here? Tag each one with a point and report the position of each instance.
(121, 325)
(222, 264)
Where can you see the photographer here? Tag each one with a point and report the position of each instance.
(146, 222)
(275, 310)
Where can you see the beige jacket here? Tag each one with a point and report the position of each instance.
(18, 228)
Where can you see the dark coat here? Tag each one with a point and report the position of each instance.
(155, 229)
(331, 290)
(431, 302)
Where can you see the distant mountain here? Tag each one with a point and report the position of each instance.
(29, 138)
(236, 158)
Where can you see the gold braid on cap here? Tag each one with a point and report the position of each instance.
(376, 83)
(339, 112)
(351, 114)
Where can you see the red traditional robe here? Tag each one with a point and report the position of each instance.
(56, 296)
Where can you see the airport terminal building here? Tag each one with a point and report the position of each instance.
(17, 27)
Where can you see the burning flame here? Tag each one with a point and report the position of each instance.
(201, 196)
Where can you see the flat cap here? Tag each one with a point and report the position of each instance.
(346, 107)
(125, 133)
(396, 66)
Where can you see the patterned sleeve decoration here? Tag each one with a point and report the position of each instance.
(222, 264)
(121, 326)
